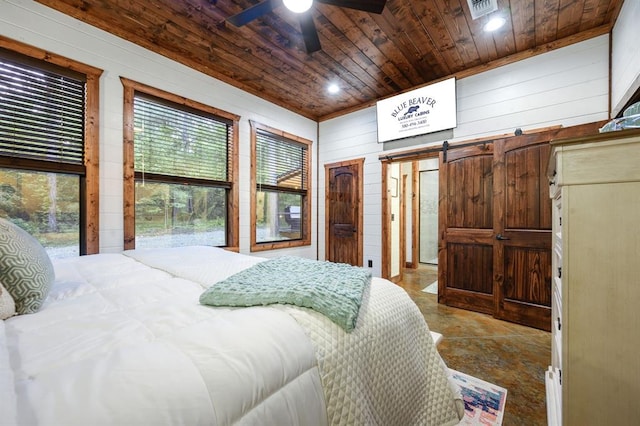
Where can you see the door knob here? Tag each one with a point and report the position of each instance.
(501, 237)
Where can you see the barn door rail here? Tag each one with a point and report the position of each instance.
(446, 146)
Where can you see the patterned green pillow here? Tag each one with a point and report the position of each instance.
(25, 268)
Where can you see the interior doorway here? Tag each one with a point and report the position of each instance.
(411, 217)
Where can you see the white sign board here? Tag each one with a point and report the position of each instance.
(425, 110)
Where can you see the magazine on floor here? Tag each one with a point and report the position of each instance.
(483, 401)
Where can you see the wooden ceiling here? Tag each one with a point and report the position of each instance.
(369, 56)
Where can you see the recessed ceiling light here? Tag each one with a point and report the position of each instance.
(494, 23)
(333, 88)
(298, 6)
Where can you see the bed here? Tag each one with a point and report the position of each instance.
(122, 339)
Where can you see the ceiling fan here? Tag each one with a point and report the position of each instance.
(307, 26)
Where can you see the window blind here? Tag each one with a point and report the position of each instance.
(42, 113)
(281, 163)
(177, 141)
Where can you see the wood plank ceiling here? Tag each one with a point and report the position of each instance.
(369, 56)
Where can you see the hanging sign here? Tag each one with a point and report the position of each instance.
(425, 110)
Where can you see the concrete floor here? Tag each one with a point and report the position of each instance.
(506, 354)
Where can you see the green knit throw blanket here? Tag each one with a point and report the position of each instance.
(333, 289)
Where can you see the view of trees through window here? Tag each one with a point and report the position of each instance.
(169, 215)
(181, 165)
(46, 205)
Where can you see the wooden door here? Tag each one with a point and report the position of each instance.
(495, 226)
(465, 250)
(343, 212)
(522, 225)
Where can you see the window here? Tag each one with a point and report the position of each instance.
(180, 186)
(48, 148)
(281, 189)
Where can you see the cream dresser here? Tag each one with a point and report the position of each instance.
(594, 377)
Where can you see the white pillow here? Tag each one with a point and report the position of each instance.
(26, 271)
(7, 306)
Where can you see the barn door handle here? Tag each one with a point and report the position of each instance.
(354, 229)
(501, 237)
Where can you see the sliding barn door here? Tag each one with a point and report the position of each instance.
(522, 250)
(465, 252)
(495, 239)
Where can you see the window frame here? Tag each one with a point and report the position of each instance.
(305, 213)
(130, 89)
(89, 173)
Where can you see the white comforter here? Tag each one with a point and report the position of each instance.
(122, 340)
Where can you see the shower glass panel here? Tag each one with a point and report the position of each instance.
(429, 216)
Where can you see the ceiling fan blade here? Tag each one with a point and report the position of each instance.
(309, 32)
(254, 12)
(372, 6)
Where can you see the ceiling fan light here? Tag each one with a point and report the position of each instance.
(298, 6)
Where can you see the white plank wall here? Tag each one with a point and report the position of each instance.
(625, 56)
(37, 25)
(566, 87)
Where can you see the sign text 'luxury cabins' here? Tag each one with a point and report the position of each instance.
(425, 110)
